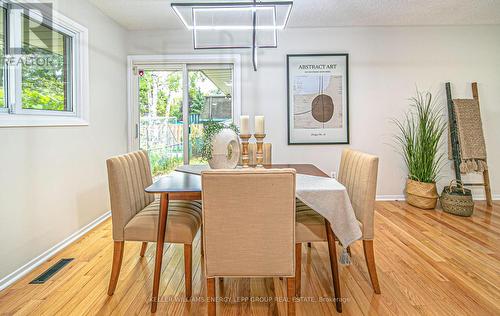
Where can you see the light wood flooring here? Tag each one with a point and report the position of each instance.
(429, 263)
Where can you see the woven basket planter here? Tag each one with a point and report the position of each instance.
(457, 200)
(422, 195)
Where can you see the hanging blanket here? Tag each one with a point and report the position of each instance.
(470, 136)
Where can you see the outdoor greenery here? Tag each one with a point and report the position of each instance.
(419, 138)
(43, 86)
(210, 129)
(42, 60)
(160, 96)
(161, 163)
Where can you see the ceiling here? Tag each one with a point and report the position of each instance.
(157, 14)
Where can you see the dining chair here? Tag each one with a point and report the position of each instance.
(134, 213)
(358, 173)
(252, 154)
(249, 226)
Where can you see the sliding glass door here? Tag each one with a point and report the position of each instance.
(170, 104)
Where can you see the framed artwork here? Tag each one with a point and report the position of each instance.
(318, 99)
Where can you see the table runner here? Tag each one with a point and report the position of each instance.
(325, 195)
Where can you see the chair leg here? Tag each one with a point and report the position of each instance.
(202, 243)
(290, 291)
(211, 307)
(332, 248)
(298, 268)
(117, 264)
(370, 263)
(187, 270)
(220, 286)
(143, 248)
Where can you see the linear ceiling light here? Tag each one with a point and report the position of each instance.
(236, 24)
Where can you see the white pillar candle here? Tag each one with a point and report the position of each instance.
(244, 123)
(259, 125)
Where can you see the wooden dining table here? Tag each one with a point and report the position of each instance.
(186, 186)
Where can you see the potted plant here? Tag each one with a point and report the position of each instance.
(220, 145)
(419, 139)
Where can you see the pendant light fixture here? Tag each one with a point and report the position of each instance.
(234, 25)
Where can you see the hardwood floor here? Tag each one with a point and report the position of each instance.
(429, 262)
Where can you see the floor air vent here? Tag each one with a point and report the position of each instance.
(51, 271)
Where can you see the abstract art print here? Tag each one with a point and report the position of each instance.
(318, 99)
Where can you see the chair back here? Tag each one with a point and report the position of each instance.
(128, 176)
(249, 222)
(358, 173)
(252, 154)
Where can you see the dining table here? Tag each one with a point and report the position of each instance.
(185, 184)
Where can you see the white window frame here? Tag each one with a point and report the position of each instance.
(135, 61)
(14, 115)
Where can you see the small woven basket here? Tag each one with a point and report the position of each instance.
(457, 200)
(420, 194)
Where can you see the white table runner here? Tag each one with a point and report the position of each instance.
(325, 195)
(329, 198)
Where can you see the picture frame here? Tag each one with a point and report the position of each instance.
(318, 99)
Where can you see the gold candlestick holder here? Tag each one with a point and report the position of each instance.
(260, 149)
(245, 159)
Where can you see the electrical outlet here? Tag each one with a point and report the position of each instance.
(333, 174)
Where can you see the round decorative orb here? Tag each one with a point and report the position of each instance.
(225, 150)
(322, 108)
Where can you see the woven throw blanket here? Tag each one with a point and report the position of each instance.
(470, 136)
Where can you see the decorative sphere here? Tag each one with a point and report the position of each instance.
(225, 150)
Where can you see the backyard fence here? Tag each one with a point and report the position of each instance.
(165, 134)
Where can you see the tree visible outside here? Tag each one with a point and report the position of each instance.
(43, 87)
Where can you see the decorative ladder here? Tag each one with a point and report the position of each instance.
(455, 144)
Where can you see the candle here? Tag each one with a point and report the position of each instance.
(259, 125)
(244, 119)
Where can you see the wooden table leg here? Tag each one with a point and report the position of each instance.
(332, 248)
(211, 297)
(162, 225)
(290, 294)
(298, 268)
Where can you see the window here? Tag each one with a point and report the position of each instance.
(44, 67)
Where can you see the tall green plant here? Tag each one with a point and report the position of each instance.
(419, 138)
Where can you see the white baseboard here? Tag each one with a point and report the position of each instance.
(476, 197)
(35, 262)
(390, 198)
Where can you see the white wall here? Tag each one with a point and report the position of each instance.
(386, 63)
(53, 180)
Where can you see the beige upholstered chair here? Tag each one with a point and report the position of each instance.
(135, 213)
(358, 173)
(266, 154)
(249, 226)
